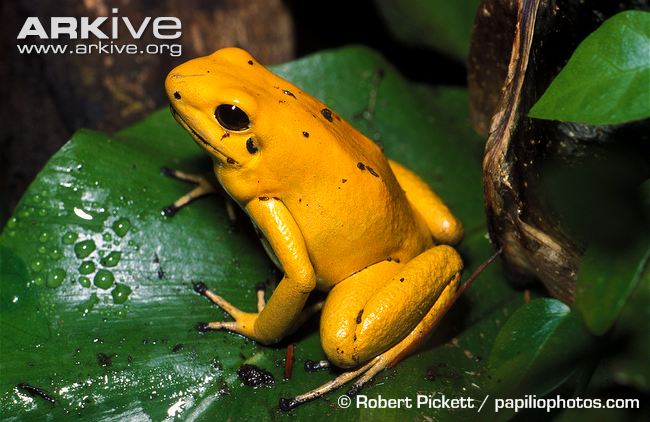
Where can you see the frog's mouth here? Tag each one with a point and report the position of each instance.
(179, 118)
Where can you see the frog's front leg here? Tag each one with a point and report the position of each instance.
(284, 310)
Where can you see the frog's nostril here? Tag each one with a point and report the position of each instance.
(177, 95)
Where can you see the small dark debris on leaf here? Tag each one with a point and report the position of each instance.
(35, 391)
(177, 347)
(223, 387)
(104, 360)
(254, 376)
(441, 370)
(216, 364)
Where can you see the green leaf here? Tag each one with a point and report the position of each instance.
(607, 79)
(441, 24)
(629, 365)
(538, 348)
(614, 297)
(605, 280)
(143, 359)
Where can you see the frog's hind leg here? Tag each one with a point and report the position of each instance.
(375, 328)
(388, 359)
(443, 225)
(405, 347)
(204, 186)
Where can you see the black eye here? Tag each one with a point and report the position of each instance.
(231, 117)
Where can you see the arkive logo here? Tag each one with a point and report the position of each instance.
(92, 32)
(163, 28)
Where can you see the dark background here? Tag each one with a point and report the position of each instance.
(46, 98)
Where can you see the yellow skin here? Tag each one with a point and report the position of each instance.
(335, 214)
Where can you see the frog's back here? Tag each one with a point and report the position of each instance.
(341, 191)
(353, 214)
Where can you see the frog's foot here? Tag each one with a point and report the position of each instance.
(204, 186)
(243, 321)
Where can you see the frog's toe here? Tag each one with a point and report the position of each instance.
(200, 287)
(216, 326)
(170, 210)
(317, 365)
(166, 171)
(260, 291)
(203, 290)
(244, 322)
(204, 186)
(182, 176)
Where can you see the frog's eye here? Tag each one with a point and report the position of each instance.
(231, 117)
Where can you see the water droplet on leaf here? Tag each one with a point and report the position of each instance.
(87, 306)
(87, 267)
(84, 281)
(55, 278)
(121, 227)
(120, 293)
(104, 279)
(112, 259)
(56, 254)
(84, 248)
(37, 266)
(69, 238)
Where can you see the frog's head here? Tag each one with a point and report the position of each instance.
(236, 109)
(211, 99)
